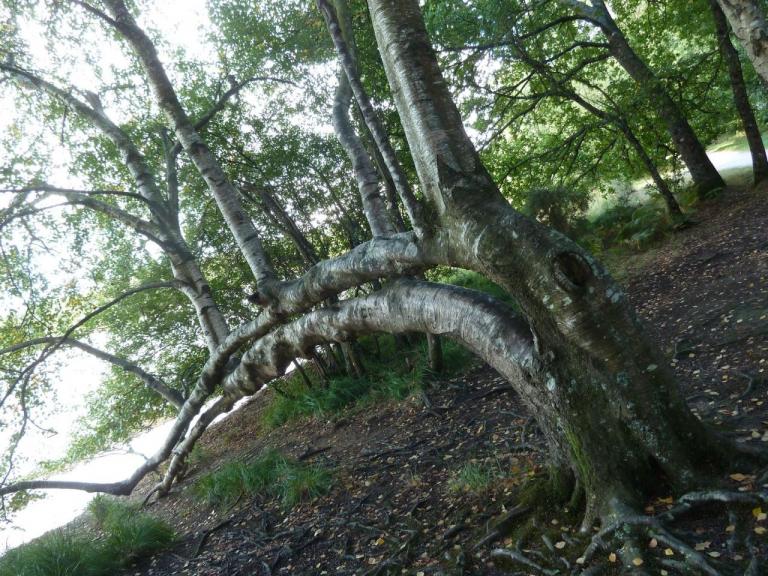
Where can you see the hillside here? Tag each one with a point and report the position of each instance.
(419, 486)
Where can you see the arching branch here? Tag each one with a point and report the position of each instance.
(152, 382)
(483, 324)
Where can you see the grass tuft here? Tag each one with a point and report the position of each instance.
(476, 477)
(126, 535)
(271, 474)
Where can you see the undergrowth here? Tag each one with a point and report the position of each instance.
(270, 474)
(124, 534)
(388, 377)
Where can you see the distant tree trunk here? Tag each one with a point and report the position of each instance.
(740, 96)
(352, 361)
(705, 176)
(669, 199)
(748, 22)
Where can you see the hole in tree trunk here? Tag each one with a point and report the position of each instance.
(572, 272)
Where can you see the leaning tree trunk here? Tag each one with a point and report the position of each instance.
(705, 176)
(601, 391)
(740, 96)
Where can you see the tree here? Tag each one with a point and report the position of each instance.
(687, 144)
(740, 95)
(531, 136)
(614, 419)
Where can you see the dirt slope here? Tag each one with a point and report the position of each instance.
(704, 294)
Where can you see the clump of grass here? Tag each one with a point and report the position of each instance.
(57, 553)
(476, 477)
(128, 530)
(271, 474)
(126, 535)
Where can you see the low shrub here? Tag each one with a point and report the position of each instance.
(635, 226)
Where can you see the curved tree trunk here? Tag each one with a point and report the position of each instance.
(604, 396)
(740, 96)
(484, 325)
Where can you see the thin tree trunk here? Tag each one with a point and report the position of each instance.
(673, 208)
(163, 228)
(284, 221)
(435, 353)
(224, 193)
(352, 360)
(740, 95)
(339, 25)
(365, 173)
(616, 118)
(303, 374)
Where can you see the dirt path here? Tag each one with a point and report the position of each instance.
(392, 509)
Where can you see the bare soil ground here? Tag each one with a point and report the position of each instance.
(703, 293)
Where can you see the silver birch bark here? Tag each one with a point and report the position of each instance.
(339, 25)
(748, 22)
(163, 229)
(224, 193)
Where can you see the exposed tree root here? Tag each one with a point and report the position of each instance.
(625, 537)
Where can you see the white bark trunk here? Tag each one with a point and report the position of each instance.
(748, 22)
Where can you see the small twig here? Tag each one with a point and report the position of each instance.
(486, 393)
(313, 452)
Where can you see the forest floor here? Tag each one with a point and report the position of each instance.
(397, 505)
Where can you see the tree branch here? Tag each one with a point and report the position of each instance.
(53, 347)
(96, 116)
(227, 198)
(152, 382)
